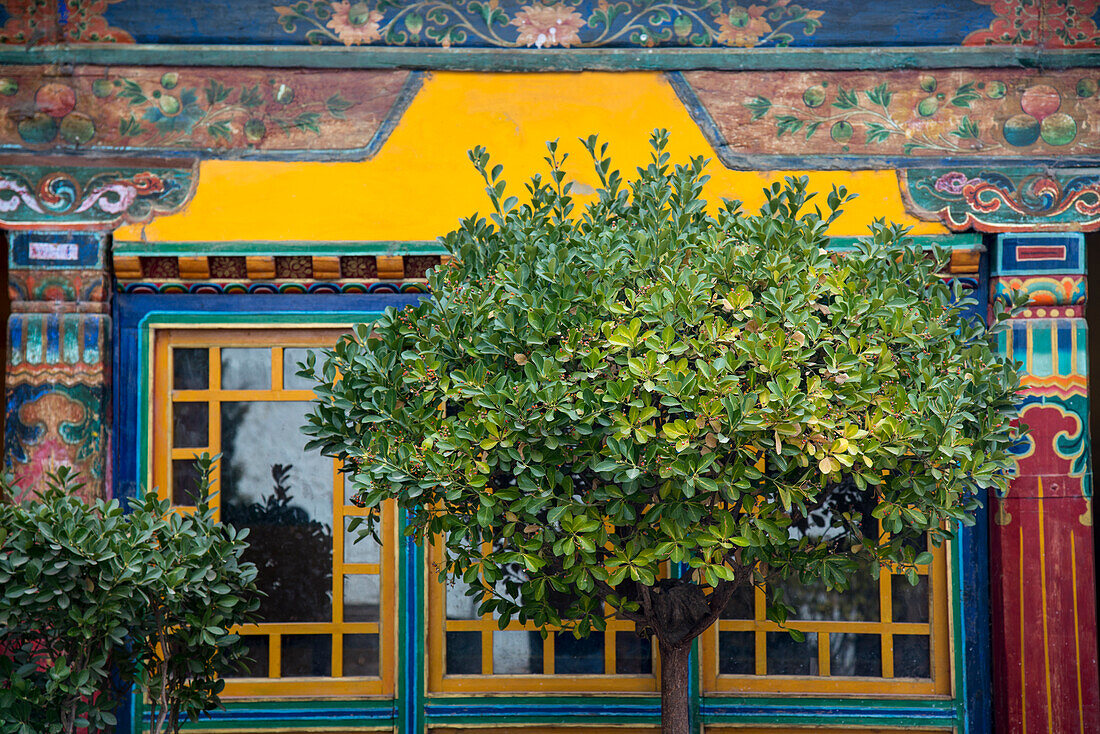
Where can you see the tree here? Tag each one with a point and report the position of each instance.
(644, 405)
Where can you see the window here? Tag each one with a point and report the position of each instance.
(881, 636)
(469, 652)
(327, 627)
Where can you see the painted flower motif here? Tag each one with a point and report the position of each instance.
(952, 183)
(743, 26)
(355, 24)
(548, 25)
(173, 114)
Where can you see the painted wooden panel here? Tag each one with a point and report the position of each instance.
(56, 402)
(1041, 534)
(69, 194)
(225, 112)
(1006, 199)
(879, 119)
(567, 23)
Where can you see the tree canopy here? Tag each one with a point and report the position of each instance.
(638, 402)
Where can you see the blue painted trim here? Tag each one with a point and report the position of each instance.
(975, 671)
(819, 713)
(89, 250)
(1007, 264)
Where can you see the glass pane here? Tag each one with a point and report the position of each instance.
(910, 603)
(359, 551)
(860, 603)
(257, 653)
(307, 656)
(912, 656)
(283, 494)
(855, 654)
(185, 482)
(246, 368)
(736, 653)
(740, 605)
(190, 369)
(633, 655)
(517, 653)
(788, 657)
(463, 653)
(190, 425)
(578, 657)
(460, 606)
(361, 596)
(361, 655)
(292, 356)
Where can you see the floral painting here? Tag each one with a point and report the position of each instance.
(225, 112)
(543, 25)
(886, 117)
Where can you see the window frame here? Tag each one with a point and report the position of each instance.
(160, 453)
(938, 628)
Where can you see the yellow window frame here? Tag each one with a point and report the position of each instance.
(547, 682)
(213, 339)
(937, 628)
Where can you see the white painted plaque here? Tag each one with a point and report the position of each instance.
(53, 251)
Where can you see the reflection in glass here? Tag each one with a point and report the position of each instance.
(517, 652)
(633, 655)
(460, 606)
(190, 369)
(361, 655)
(246, 368)
(740, 605)
(306, 656)
(190, 424)
(812, 601)
(578, 657)
(912, 656)
(463, 653)
(910, 603)
(256, 647)
(736, 653)
(361, 596)
(855, 654)
(786, 656)
(185, 482)
(359, 551)
(290, 523)
(292, 356)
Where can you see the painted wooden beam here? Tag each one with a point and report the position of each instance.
(550, 60)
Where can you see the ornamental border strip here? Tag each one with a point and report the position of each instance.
(550, 60)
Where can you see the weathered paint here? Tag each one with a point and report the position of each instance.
(58, 346)
(1041, 550)
(1007, 199)
(889, 119)
(226, 112)
(421, 182)
(84, 194)
(458, 23)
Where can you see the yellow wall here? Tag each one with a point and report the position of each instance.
(421, 182)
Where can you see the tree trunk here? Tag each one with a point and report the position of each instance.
(675, 703)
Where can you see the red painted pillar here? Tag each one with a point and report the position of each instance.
(1043, 582)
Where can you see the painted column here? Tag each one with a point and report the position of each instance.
(57, 400)
(1041, 530)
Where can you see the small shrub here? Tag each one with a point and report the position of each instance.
(88, 589)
